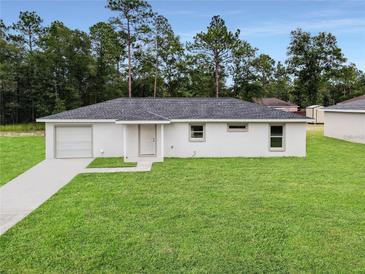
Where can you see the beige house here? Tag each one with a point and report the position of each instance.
(346, 120)
(316, 112)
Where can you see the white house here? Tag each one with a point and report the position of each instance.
(139, 128)
(346, 120)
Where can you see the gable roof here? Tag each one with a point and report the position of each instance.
(165, 109)
(354, 105)
(358, 98)
(273, 102)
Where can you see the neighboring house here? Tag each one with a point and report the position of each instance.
(277, 104)
(316, 112)
(140, 128)
(358, 98)
(346, 120)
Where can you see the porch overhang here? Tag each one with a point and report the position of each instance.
(132, 140)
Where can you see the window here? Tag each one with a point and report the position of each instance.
(277, 137)
(197, 133)
(237, 127)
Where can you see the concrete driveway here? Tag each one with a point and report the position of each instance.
(29, 190)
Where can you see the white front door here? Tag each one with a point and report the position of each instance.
(147, 140)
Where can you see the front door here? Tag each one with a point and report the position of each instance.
(147, 139)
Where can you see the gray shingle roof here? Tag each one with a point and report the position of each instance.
(361, 97)
(358, 104)
(273, 102)
(132, 109)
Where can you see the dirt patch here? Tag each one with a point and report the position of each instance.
(314, 127)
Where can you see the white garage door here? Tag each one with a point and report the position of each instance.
(73, 142)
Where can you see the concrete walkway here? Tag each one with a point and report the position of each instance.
(29, 190)
(141, 167)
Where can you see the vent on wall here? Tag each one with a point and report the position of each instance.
(237, 127)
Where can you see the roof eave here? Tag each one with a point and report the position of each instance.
(45, 120)
(287, 106)
(296, 120)
(141, 122)
(131, 122)
(344, 110)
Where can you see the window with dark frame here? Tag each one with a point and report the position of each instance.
(197, 132)
(276, 137)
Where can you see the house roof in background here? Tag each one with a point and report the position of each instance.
(354, 105)
(361, 97)
(165, 109)
(273, 102)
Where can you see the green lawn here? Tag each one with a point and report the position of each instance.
(110, 162)
(17, 154)
(204, 215)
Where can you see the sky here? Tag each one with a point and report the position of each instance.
(265, 24)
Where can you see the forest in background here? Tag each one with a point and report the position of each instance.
(48, 69)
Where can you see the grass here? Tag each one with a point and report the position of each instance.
(204, 216)
(22, 127)
(110, 162)
(17, 154)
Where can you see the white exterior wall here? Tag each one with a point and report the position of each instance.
(132, 145)
(320, 115)
(107, 137)
(309, 112)
(316, 113)
(50, 139)
(221, 143)
(346, 126)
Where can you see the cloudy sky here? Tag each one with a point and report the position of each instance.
(265, 24)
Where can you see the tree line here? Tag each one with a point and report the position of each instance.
(48, 69)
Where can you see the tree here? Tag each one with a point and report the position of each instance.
(244, 72)
(282, 85)
(65, 65)
(10, 56)
(29, 28)
(345, 83)
(45, 70)
(310, 60)
(215, 46)
(264, 70)
(198, 80)
(28, 31)
(3, 29)
(133, 19)
(108, 52)
(106, 43)
(161, 29)
(168, 53)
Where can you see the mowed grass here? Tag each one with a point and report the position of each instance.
(204, 216)
(110, 162)
(17, 154)
(22, 127)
